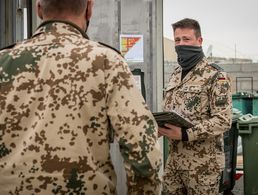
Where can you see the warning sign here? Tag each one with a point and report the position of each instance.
(131, 47)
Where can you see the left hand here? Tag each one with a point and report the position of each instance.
(171, 131)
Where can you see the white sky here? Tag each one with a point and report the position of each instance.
(225, 24)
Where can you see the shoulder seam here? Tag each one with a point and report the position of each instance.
(217, 67)
(110, 47)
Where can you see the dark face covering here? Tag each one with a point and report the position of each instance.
(188, 56)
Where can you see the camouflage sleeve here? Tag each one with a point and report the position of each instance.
(220, 103)
(134, 128)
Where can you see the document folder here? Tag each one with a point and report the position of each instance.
(171, 118)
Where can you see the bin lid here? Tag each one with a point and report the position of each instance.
(256, 95)
(236, 114)
(242, 95)
(248, 119)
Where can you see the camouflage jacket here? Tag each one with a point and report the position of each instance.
(60, 93)
(203, 97)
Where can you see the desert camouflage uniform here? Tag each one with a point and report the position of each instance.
(60, 93)
(204, 97)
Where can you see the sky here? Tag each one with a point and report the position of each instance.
(230, 26)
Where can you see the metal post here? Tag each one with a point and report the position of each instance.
(9, 22)
(2, 24)
(19, 24)
(29, 18)
(158, 67)
(21, 4)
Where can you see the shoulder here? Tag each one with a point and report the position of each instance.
(216, 67)
(216, 70)
(110, 47)
(220, 75)
(214, 73)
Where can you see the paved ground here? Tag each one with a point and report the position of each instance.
(239, 187)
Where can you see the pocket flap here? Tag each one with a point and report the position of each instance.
(192, 88)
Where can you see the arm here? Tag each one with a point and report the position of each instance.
(134, 128)
(220, 103)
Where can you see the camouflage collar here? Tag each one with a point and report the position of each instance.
(201, 64)
(48, 24)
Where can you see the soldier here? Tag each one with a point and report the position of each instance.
(201, 93)
(60, 93)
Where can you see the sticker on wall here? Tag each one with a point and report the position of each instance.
(131, 47)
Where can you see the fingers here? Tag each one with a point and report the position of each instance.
(171, 131)
(170, 126)
(163, 131)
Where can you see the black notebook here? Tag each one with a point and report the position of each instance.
(172, 118)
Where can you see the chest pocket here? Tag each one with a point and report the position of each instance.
(193, 96)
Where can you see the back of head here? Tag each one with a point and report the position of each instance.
(55, 8)
(188, 23)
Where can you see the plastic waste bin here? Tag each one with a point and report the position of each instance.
(227, 181)
(248, 130)
(243, 102)
(255, 105)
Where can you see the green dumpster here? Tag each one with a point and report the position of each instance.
(248, 130)
(243, 102)
(255, 104)
(227, 181)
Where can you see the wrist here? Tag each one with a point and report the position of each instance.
(184, 134)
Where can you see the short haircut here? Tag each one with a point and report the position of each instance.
(73, 7)
(188, 23)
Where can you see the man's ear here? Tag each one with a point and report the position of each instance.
(200, 40)
(88, 13)
(39, 10)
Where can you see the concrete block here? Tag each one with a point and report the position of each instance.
(231, 67)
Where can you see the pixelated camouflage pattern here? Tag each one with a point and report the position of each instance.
(203, 97)
(192, 182)
(60, 93)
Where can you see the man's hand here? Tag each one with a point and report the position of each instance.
(171, 132)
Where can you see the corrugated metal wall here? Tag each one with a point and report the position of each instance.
(15, 21)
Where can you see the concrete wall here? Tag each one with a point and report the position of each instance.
(244, 76)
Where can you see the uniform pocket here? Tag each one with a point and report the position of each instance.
(208, 177)
(192, 95)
